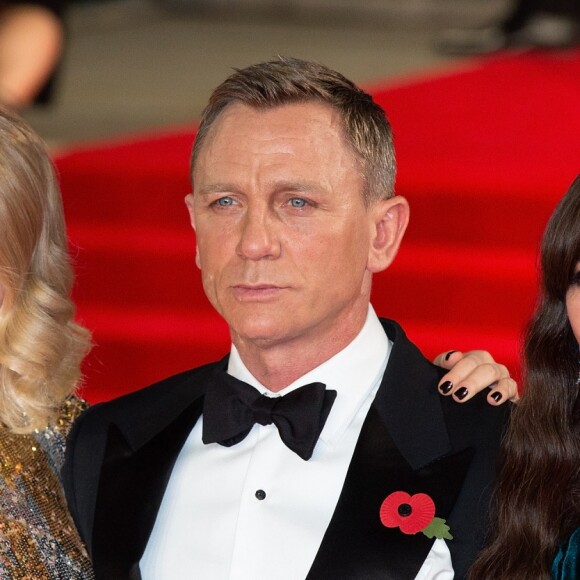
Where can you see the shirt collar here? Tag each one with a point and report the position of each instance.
(354, 373)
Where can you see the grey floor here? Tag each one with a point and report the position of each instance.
(138, 65)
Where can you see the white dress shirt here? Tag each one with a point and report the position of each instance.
(256, 510)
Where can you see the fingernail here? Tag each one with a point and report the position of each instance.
(497, 396)
(446, 387)
(461, 393)
(448, 355)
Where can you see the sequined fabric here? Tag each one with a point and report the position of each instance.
(38, 540)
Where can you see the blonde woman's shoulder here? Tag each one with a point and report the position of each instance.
(72, 408)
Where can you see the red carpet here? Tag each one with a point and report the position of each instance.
(484, 153)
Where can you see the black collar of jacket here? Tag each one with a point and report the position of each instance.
(402, 395)
(408, 390)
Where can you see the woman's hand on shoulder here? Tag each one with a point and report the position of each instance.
(472, 372)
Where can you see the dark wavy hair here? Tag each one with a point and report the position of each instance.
(537, 500)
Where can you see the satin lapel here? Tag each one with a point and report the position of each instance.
(131, 488)
(356, 544)
(403, 446)
(409, 403)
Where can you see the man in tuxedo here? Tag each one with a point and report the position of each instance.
(319, 448)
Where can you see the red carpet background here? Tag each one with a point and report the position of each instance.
(484, 151)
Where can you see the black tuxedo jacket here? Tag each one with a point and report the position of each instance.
(120, 456)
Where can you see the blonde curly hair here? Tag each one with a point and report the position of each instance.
(41, 347)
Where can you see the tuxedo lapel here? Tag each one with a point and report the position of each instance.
(139, 454)
(356, 545)
(403, 446)
(409, 403)
(130, 492)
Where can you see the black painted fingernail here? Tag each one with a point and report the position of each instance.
(497, 396)
(446, 387)
(461, 393)
(448, 355)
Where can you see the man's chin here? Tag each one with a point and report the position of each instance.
(260, 333)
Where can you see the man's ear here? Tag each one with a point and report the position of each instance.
(389, 219)
(189, 204)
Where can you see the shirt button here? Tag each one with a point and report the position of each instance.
(260, 494)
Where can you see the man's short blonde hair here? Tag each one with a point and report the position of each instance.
(289, 80)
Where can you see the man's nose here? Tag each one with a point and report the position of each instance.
(259, 237)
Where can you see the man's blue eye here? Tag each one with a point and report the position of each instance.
(297, 202)
(225, 201)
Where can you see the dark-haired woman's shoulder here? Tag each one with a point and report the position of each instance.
(566, 564)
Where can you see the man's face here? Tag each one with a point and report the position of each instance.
(283, 235)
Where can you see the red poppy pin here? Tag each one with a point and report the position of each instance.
(413, 514)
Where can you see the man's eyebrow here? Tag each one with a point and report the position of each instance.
(277, 186)
(297, 186)
(216, 188)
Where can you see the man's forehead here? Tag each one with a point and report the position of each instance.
(303, 113)
(239, 122)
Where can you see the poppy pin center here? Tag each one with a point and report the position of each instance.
(404, 510)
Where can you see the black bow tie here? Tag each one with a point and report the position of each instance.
(232, 407)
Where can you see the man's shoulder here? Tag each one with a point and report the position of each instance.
(172, 392)
(410, 361)
(183, 381)
(413, 386)
(475, 421)
(408, 367)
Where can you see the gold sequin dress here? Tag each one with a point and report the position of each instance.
(38, 540)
